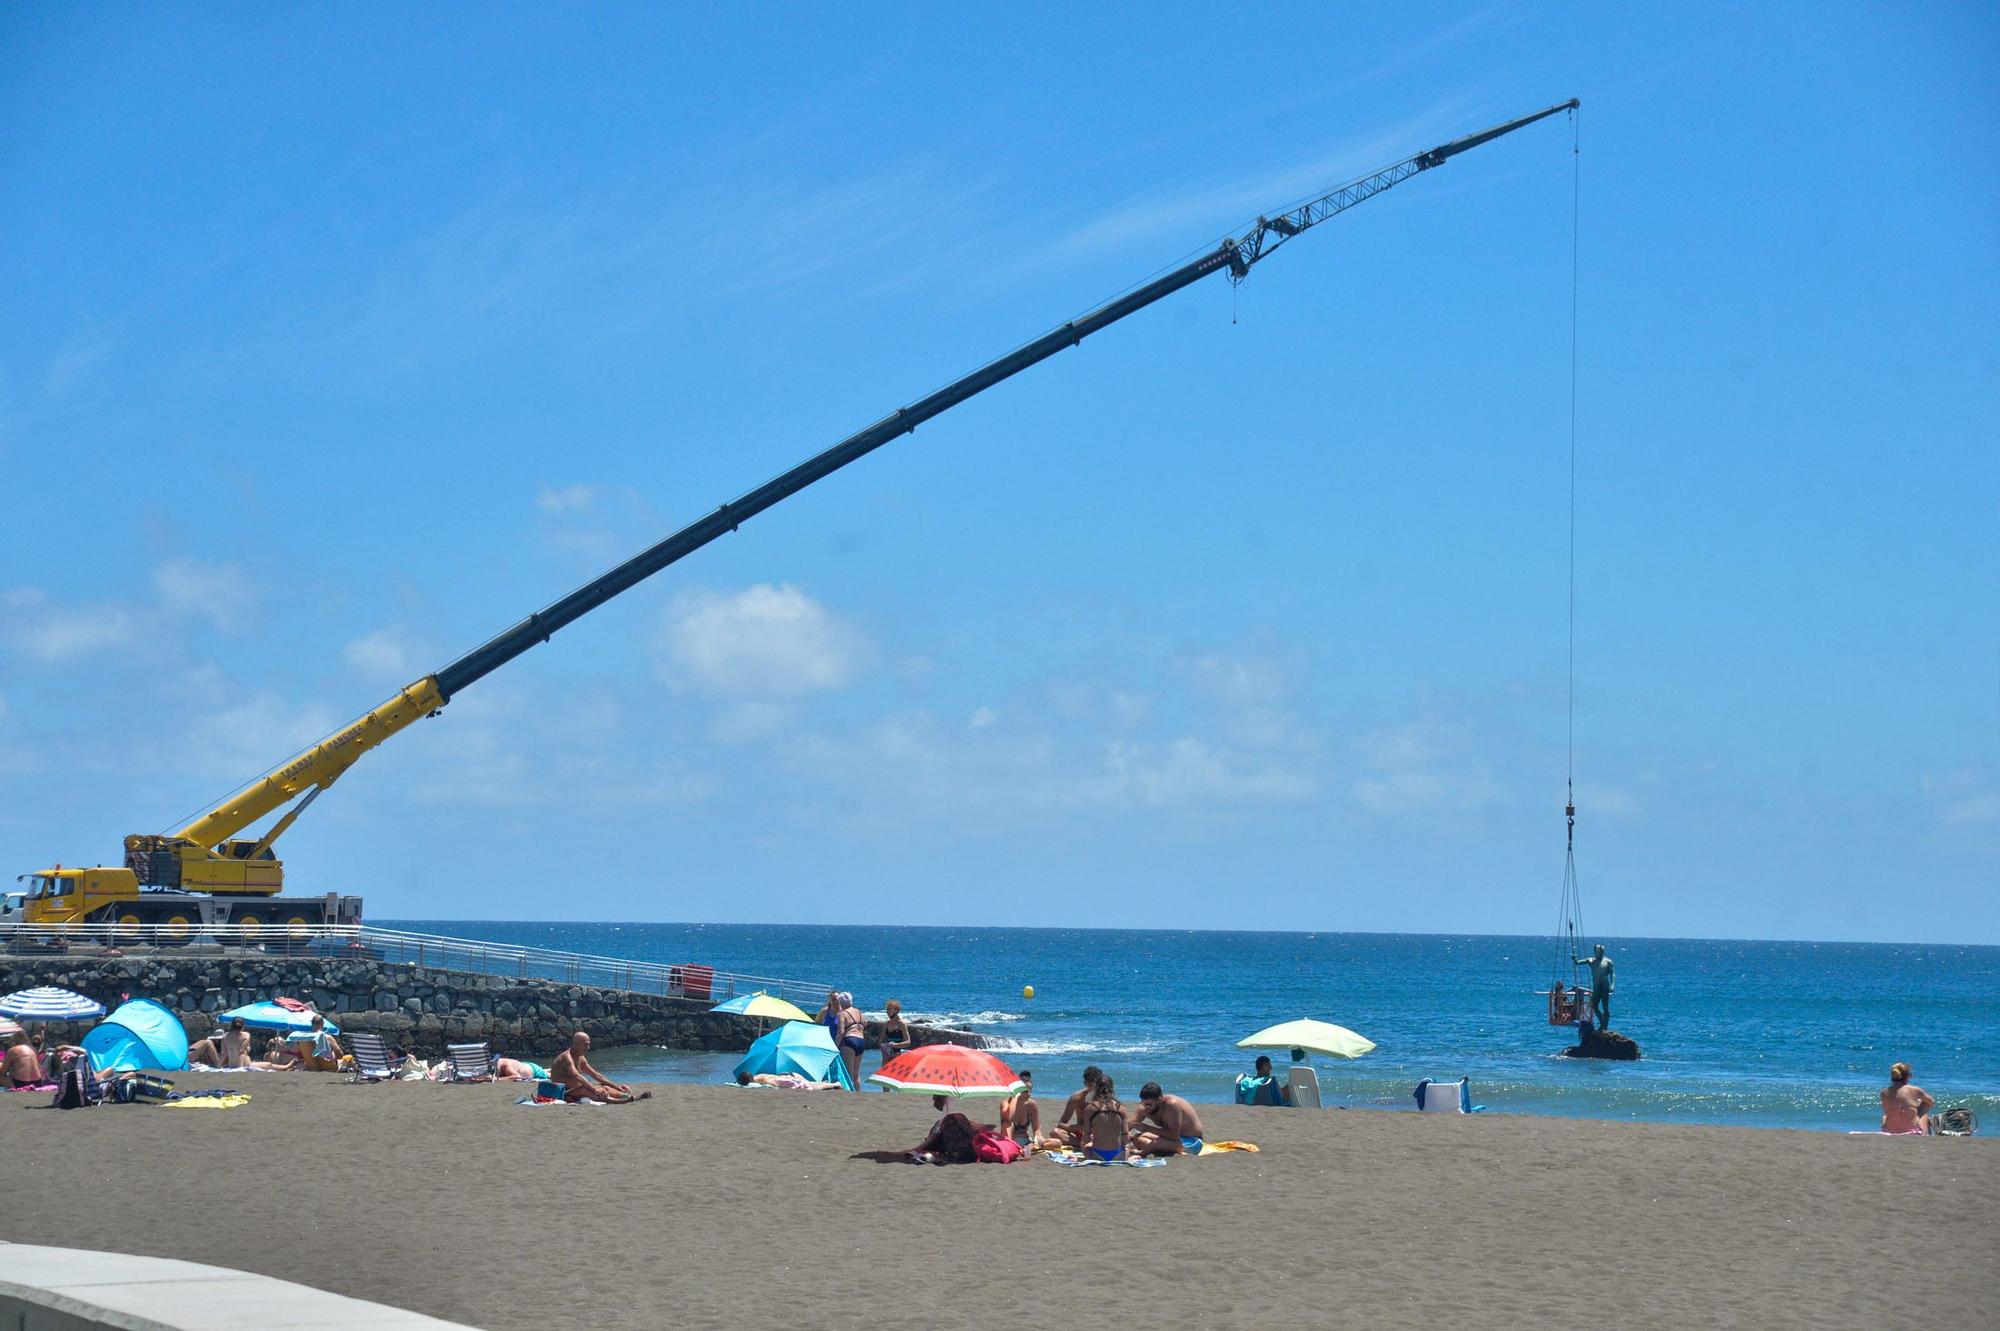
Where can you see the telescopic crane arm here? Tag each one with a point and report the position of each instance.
(188, 850)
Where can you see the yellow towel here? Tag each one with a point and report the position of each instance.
(209, 1102)
(1217, 1148)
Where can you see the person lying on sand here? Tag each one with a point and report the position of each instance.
(1069, 1129)
(580, 1081)
(1905, 1108)
(512, 1069)
(785, 1081)
(1020, 1116)
(279, 1057)
(203, 1051)
(1176, 1127)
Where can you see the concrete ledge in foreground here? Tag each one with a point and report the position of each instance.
(75, 1289)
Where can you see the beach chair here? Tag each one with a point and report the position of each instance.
(371, 1056)
(1304, 1085)
(470, 1062)
(1446, 1097)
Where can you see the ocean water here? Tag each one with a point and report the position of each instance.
(1768, 1034)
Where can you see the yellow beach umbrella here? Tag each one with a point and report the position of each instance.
(761, 1004)
(1322, 1037)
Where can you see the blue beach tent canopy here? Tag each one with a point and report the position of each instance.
(268, 1016)
(138, 1034)
(803, 1047)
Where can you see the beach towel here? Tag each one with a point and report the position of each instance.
(1224, 1148)
(538, 1102)
(990, 1148)
(199, 1101)
(1076, 1159)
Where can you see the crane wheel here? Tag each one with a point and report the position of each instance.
(296, 926)
(250, 926)
(176, 928)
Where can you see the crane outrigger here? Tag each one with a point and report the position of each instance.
(210, 872)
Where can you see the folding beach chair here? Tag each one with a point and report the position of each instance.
(371, 1056)
(470, 1062)
(1304, 1085)
(1446, 1097)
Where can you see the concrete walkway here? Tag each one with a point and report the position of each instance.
(74, 1289)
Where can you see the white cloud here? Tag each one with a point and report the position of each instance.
(54, 634)
(981, 718)
(217, 592)
(1962, 798)
(1188, 772)
(746, 722)
(1423, 765)
(378, 654)
(243, 740)
(763, 643)
(566, 500)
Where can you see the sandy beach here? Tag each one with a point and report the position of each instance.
(713, 1207)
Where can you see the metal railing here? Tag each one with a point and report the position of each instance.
(397, 947)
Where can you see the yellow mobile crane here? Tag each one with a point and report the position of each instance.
(209, 872)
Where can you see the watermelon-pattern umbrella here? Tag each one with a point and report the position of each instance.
(947, 1069)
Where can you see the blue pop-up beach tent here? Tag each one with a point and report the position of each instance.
(138, 1034)
(803, 1047)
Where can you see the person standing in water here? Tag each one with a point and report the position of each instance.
(1601, 985)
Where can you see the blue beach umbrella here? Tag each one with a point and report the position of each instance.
(797, 1046)
(268, 1016)
(48, 1003)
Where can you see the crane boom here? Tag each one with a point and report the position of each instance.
(201, 855)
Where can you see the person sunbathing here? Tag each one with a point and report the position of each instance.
(233, 1046)
(279, 1058)
(1104, 1124)
(1020, 1116)
(204, 1052)
(580, 1081)
(1905, 1108)
(512, 1069)
(1176, 1127)
(1069, 1129)
(785, 1081)
(21, 1067)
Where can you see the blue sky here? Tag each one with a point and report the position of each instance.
(334, 347)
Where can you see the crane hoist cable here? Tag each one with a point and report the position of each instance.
(1569, 924)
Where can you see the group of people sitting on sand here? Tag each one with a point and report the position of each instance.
(313, 1050)
(1093, 1121)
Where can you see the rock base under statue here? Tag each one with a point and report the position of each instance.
(1593, 1043)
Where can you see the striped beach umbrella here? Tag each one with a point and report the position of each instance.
(761, 1004)
(48, 1003)
(947, 1069)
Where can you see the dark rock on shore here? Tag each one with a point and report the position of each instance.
(1603, 1044)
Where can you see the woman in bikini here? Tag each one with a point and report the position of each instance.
(895, 1031)
(1104, 1123)
(853, 1036)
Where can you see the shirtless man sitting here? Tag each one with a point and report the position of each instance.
(1070, 1129)
(1176, 1128)
(1905, 1108)
(20, 1067)
(1020, 1116)
(580, 1081)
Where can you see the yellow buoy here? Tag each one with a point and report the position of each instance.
(1028, 991)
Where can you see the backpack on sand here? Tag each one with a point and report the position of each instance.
(78, 1088)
